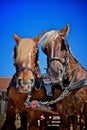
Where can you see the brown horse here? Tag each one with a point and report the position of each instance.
(69, 78)
(24, 85)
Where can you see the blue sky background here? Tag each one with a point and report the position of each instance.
(28, 18)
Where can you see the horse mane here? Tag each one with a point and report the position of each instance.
(21, 52)
(48, 37)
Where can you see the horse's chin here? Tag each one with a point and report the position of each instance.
(56, 80)
(24, 91)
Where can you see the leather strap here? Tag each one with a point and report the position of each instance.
(78, 85)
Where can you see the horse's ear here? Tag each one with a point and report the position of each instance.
(37, 39)
(17, 38)
(45, 31)
(65, 30)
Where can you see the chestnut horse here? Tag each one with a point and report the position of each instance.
(69, 78)
(24, 85)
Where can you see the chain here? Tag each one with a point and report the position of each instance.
(64, 94)
(45, 105)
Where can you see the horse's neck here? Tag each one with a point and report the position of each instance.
(81, 73)
(76, 69)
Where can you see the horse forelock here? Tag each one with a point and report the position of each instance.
(48, 37)
(24, 48)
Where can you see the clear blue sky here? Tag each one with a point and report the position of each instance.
(28, 18)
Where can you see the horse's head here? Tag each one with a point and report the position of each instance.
(55, 46)
(26, 62)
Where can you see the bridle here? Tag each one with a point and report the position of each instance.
(35, 72)
(64, 64)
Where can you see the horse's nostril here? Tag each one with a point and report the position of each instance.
(60, 71)
(32, 80)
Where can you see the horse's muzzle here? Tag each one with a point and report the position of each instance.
(25, 86)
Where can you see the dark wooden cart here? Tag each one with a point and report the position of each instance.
(52, 122)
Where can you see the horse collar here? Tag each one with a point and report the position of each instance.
(78, 85)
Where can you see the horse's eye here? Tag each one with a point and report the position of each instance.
(46, 47)
(15, 64)
(58, 48)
